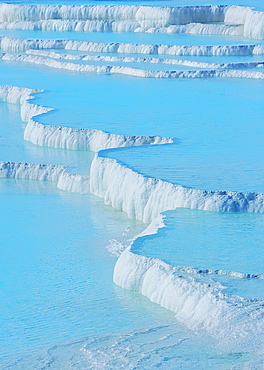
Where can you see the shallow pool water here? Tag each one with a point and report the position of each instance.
(228, 246)
(59, 250)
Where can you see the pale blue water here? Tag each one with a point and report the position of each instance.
(59, 307)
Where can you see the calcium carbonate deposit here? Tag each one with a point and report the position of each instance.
(131, 183)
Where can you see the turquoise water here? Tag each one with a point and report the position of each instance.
(217, 143)
(54, 264)
(60, 308)
(206, 240)
(228, 242)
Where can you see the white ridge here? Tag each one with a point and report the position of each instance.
(22, 45)
(144, 198)
(109, 69)
(106, 58)
(134, 18)
(144, 15)
(31, 171)
(84, 139)
(233, 322)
